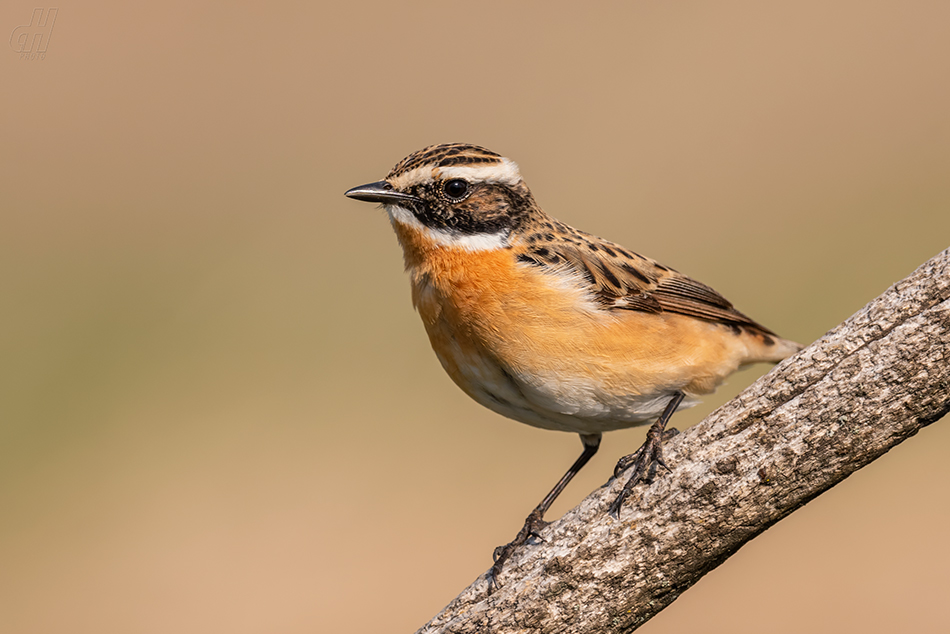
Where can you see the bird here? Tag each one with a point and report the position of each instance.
(552, 326)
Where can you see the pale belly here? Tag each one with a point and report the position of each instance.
(551, 400)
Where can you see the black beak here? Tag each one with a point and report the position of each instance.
(380, 192)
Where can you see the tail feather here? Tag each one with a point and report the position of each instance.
(773, 349)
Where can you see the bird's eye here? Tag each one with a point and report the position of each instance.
(455, 189)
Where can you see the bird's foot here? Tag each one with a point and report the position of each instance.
(643, 464)
(532, 525)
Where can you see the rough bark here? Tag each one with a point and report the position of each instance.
(815, 419)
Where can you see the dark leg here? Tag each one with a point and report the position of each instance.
(535, 521)
(645, 459)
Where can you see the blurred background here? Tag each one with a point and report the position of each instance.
(218, 411)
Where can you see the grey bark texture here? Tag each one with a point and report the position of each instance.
(815, 419)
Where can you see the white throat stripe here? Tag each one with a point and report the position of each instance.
(473, 242)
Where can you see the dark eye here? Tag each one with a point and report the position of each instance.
(455, 189)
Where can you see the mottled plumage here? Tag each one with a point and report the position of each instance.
(623, 280)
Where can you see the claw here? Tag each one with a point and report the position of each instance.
(644, 462)
(534, 522)
(532, 525)
(643, 466)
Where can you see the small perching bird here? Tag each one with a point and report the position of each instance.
(552, 326)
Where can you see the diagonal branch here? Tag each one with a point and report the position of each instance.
(818, 417)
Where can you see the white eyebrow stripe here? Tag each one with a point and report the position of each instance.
(417, 176)
(505, 172)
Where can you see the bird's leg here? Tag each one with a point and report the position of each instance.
(646, 459)
(535, 520)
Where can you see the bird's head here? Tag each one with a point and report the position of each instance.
(457, 194)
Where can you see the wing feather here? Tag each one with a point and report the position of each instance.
(637, 283)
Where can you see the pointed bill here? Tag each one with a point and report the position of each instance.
(380, 192)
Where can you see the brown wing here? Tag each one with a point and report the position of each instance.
(680, 294)
(622, 280)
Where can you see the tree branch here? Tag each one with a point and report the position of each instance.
(818, 417)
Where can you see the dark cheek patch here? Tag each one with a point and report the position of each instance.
(487, 210)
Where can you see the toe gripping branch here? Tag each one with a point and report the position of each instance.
(645, 460)
(535, 520)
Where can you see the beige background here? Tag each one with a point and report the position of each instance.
(218, 412)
